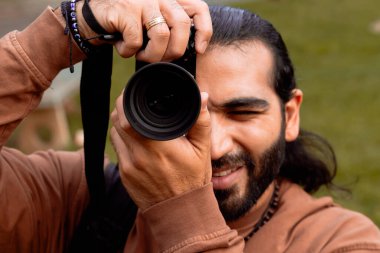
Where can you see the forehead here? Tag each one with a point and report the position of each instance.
(236, 70)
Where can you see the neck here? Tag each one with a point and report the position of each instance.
(244, 224)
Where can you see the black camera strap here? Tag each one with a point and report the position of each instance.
(106, 222)
(95, 98)
(111, 213)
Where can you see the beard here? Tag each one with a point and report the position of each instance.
(261, 174)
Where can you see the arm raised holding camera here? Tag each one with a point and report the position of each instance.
(43, 50)
(168, 37)
(170, 181)
(154, 171)
(44, 194)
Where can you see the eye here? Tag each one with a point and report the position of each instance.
(243, 115)
(243, 112)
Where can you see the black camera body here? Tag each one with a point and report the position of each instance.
(162, 100)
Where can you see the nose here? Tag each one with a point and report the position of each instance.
(221, 137)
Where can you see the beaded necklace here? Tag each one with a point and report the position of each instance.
(267, 215)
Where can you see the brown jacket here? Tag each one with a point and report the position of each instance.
(42, 195)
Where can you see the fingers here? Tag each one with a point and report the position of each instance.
(167, 41)
(179, 15)
(179, 23)
(158, 36)
(153, 171)
(121, 17)
(131, 42)
(200, 13)
(199, 134)
(120, 148)
(120, 122)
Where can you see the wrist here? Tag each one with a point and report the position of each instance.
(77, 28)
(84, 29)
(193, 216)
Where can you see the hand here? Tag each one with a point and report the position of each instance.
(167, 41)
(153, 171)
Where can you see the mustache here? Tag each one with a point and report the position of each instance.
(231, 160)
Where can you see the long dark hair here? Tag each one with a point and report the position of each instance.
(309, 160)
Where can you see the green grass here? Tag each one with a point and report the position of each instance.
(337, 61)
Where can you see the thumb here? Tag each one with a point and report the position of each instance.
(199, 134)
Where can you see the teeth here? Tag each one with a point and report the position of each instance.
(223, 173)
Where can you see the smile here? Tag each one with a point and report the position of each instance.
(225, 178)
(225, 172)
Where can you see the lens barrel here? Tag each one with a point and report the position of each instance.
(162, 101)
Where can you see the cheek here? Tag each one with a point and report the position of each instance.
(257, 136)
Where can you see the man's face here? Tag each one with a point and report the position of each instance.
(248, 125)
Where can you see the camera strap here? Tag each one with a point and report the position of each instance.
(106, 222)
(95, 89)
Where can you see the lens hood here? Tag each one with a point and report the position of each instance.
(162, 101)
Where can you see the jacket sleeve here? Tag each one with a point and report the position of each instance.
(43, 194)
(30, 59)
(192, 222)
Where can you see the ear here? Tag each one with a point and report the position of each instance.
(292, 115)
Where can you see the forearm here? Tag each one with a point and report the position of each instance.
(30, 60)
(192, 223)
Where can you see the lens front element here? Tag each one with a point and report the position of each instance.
(162, 101)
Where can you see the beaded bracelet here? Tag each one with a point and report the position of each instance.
(68, 9)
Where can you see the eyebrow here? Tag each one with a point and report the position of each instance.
(252, 102)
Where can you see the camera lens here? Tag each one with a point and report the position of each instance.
(162, 101)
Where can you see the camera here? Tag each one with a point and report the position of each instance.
(162, 100)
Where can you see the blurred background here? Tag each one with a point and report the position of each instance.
(335, 47)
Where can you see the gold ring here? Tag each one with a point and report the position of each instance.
(153, 22)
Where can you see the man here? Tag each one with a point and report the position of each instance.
(249, 118)
(249, 128)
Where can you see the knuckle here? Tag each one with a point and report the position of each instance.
(128, 50)
(183, 18)
(113, 134)
(124, 50)
(124, 53)
(113, 116)
(126, 172)
(124, 125)
(187, 22)
(163, 33)
(205, 32)
(176, 52)
(139, 161)
(204, 6)
(134, 43)
(208, 33)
